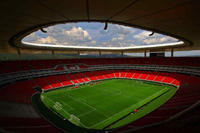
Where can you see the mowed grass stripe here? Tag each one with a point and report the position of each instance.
(100, 104)
(118, 115)
(147, 109)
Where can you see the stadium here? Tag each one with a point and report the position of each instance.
(99, 66)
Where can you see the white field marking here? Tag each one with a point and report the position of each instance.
(86, 113)
(88, 106)
(57, 106)
(82, 99)
(54, 102)
(81, 102)
(67, 112)
(79, 121)
(119, 112)
(70, 108)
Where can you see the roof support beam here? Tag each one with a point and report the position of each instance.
(87, 10)
(123, 9)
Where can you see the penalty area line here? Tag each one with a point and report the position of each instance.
(67, 113)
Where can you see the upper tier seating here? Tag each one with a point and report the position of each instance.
(14, 66)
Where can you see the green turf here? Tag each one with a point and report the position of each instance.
(99, 105)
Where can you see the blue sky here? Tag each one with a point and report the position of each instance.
(93, 34)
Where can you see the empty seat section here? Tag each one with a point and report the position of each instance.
(10, 66)
(144, 75)
(107, 74)
(42, 83)
(136, 74)
(80, 80)
(110, 73)
(176, 83)
(129, 74)
(159, 78)
(37, 64)
(64, 80)
(122, 73)
(19, 92)
(84, 78)
(72, 78)
(119, 71)
(90, 76)
(52, 80)
(116, 73)
(152, 76)
(167, 79)
(98, 74)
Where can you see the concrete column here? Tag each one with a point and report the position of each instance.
(78, 53)
(172, 52)
(53, 52)
(19, 51)
(145, 53)
(122, 53)
(99, 52)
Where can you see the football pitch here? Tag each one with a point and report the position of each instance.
(107, 104)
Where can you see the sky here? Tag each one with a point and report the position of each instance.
(93, 34)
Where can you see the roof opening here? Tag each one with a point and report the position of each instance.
(94, 35)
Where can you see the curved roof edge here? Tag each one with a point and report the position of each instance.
(63, 47)
(16, 40)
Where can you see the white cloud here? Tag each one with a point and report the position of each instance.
(48, 40)
(113, 30)
(120, 37)
(32, 37)
(142, 35)
(156, 40)
(93, 42)
(150, 41)
(145, 39)
(82, 35)
(77, 33)
(163, 39)
(73, 36)
(118, 41)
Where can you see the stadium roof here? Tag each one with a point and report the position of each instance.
(177, 18)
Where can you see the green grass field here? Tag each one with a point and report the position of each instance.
(109, 104)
